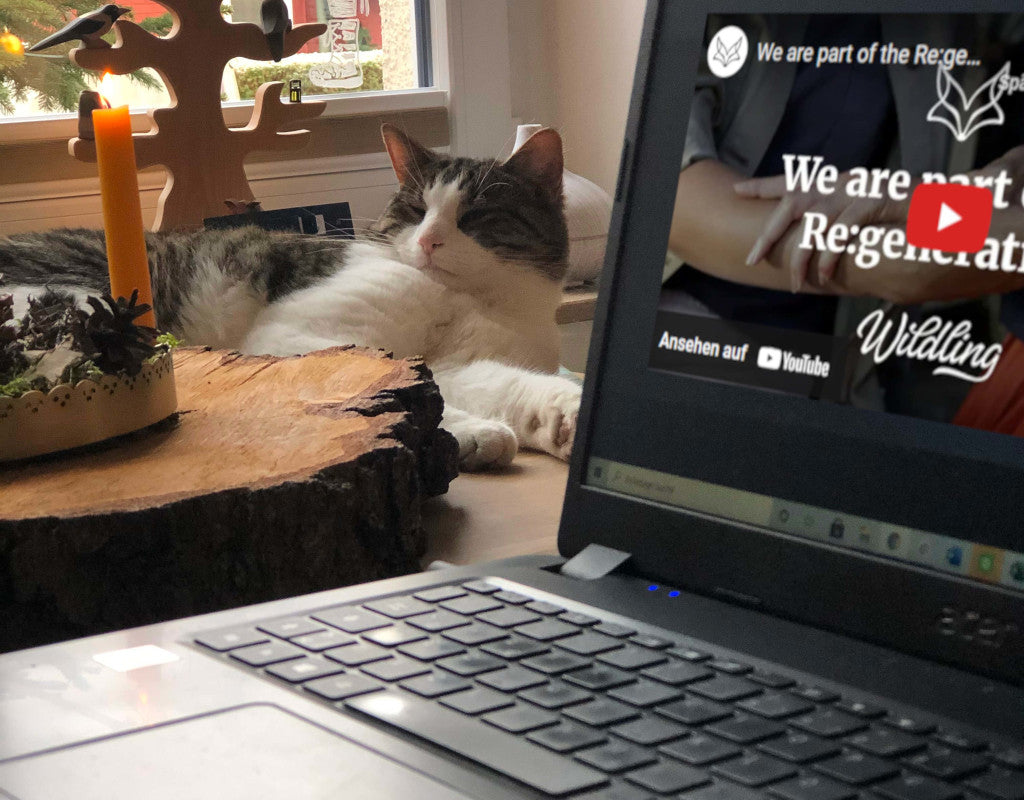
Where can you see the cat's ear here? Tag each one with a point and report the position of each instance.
(408, 157)
(540, 160)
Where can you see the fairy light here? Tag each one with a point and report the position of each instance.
(11, 43)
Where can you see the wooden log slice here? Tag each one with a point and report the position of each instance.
(278, 476)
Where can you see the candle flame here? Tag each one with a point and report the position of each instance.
(108, 90)
(11, 43)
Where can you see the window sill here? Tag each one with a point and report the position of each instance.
(65, 126)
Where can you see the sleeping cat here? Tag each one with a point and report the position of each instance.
(464, 268)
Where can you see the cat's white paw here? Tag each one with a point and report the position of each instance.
(484, 444)
(556, 421)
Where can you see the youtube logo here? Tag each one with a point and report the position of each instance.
(949, 217)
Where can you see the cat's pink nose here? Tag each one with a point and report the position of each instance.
(429, 242)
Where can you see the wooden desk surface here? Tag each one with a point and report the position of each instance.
(491, 515)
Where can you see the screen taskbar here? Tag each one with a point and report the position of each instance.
(923, 548)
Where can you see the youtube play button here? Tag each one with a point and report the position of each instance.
(949, 217)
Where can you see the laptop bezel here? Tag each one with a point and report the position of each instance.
(873, 598)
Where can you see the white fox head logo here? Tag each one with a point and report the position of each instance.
(727, 55)
(964, 117)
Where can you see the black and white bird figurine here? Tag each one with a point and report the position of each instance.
(88, 27)
(276, 23)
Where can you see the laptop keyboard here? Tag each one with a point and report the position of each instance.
(574, 705)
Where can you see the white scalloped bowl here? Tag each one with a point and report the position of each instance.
(72, 416)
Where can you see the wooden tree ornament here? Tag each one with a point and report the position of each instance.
(203, 157)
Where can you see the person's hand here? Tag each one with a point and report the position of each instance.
(838, 207)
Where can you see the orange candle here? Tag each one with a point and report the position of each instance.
(122, 210)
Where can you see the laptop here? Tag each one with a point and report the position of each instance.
(792, 559)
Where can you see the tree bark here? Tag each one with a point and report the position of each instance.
(279, 476)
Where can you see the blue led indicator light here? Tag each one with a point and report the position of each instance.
(653, 587)
(674, 593)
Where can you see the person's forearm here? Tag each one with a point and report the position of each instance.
(714, 229)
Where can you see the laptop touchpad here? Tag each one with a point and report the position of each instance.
(239, 754)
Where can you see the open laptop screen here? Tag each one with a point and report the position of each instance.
(836, 348)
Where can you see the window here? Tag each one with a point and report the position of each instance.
(369, 46)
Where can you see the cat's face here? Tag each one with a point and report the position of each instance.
(472, 223)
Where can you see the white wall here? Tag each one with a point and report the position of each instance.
(572, 65)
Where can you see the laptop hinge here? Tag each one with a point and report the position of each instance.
(594, 561)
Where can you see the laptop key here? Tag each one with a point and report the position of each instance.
(725, 688)
(916, 787)
(438, 621)
(856, 768)
(812, 787)
(962, 741)
(886, 743)
(475, 634)
(620, 791)
(508, 617)
(520, 718)
(946, 764)
(547, 630)
(799, 748)
(516, 758)
(477, 701)
(323, 640)
(1000, 783)
(614, 629)
(436, 684)
(688, 654)
(260, 655)
(471, 604)
(1012, 757)
(481, 587)
(303, 669)
(653, 642)
(700, 749)
(722, 790)
(395, 669)
(512, 598)
(230, 638)
(512, 679)
(776, 705)
(859, 709)
(729, 667)
(352, 619)
(355, 655)
(678, 673)
(771, 680)
(745, 729)
(693, 711)
(289, 627)
(439, 594)
(469, 664)
(815, 694)
(576, 618)
(395, 635)
(589, 643)
(650, 731)
(600, 711)
(754, 770)
(615, 756)
(667, 777)
(567, 736)
(598, 676)
(341, 687)
(542, 607)
(515, 648)
(645, 694)
(555, 695)
(555, 663)
(632, 657)
(910, 725)
(432, 649)
(399, 607)
(829, 722)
